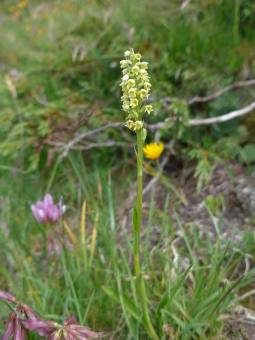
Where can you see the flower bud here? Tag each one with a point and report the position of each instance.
(144, 134)
(138, 56)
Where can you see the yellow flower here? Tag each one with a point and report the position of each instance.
(22, 4)
(46, 16)
(153, 150)
(40, 31)
(11, 9)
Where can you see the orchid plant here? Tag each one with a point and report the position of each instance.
(136, 87)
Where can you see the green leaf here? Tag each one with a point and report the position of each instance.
(167, 299)
(137, 327)
(141, 294)
(248, 154)
(144, 134)
(130, 327)
(129, 305)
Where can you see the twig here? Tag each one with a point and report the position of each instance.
(198, 99)
(173, 275)
(86, 134)
(98, 145)
(224, 118)
(244, 296)
(212, 96)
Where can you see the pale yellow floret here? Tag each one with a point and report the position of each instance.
(134, 102)
(131, 82)
(153, 150)
(145, 79)
(124, 98)
(144, 65)
(143, 72)
(147, 86)
(123, 63)
(125, 107)
(127, 54)
(135, 70)
(138, 125)
(148, 109)
(138, 56)
(132, 92)
(125, 77)
(124, 86)
(143, 93)
(130, 124)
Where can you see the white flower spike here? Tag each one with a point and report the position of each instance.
(136, 87)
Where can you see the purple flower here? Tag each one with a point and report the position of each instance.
(14, 325)
(71, 330)
(47, 211)
(7, 296)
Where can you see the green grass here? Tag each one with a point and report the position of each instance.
(189, 298)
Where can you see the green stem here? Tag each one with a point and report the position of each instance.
(139, 198)
(139, 278)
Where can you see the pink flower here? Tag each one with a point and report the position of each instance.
(47, 211)
(7, 296)
(71, 330)
(14, 325)
(26, 318)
